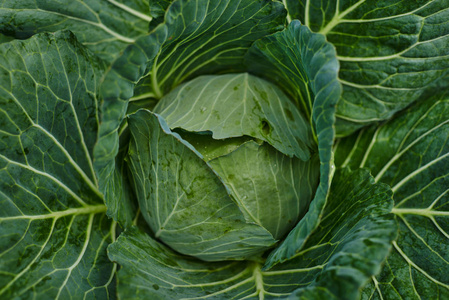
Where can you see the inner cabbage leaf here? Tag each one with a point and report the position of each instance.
(234, 105)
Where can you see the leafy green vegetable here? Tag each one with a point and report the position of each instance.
(389, 52)
(183, 201)
(54, 231)
(105, 26)
(411, 154)
(186, 149)
(205, 37)
(215, 209)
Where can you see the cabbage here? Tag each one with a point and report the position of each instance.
(224, 149)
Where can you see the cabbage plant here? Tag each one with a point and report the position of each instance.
(224, 149)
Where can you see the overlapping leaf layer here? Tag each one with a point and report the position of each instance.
(411, 154)
(64, 138)
(389, 52)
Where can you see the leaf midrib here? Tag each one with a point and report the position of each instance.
(92, 209)
(131, 11)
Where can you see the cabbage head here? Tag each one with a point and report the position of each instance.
(219, 183)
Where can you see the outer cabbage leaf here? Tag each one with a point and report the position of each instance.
(53, 226)
(117, 87)
(106, 27)
(305, 66)
(208, 37)
(219, 46)
(349, 246)
(118, 188)
(411, 153)
(389, 52)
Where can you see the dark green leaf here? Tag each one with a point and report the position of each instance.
(116, 89)
(157, 11)
(353, 239)
(5, 38)
(411, 153)
(208, 37)
(53, 227)
(105, 26)
(389, 52)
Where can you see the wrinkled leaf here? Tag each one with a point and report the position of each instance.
(208, 37)
(116, 89)
(106, 27)
(389, 52)
(53, 227)
(411, 154)
(157, 11)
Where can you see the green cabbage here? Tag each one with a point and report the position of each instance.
(224, 149)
